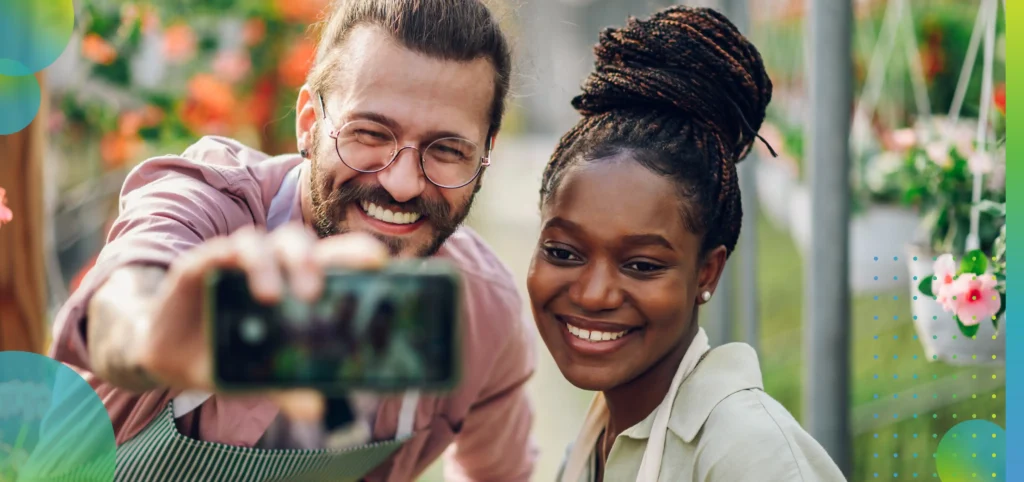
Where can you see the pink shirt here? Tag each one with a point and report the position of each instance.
(170, 204)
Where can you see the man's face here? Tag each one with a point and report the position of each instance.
(419, 99)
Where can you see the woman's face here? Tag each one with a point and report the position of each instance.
(616, 275)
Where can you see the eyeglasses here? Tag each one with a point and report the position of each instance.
(367, 146)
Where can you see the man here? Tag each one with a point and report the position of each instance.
(394, 126)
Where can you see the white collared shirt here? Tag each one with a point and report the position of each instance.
(723, 428)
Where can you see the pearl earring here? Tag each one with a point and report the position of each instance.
(304, 153)
(706, 296)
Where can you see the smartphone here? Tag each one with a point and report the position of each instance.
(386, 330)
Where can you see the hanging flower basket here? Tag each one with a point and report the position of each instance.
(940, 331)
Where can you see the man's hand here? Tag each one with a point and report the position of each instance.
(146, 325)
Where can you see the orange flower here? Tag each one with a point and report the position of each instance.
(98, 50)
(210, 106)
(255, 30)
(129, 123)
(179, 43)
(6, 215)
(307, 11)
(1000, 98)
(117, 148)
(151, 116)
(261, 104)
(297, 62)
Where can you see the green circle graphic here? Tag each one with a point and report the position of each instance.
(53, 426)
(19, 102)
(33, 34)
(971, 451)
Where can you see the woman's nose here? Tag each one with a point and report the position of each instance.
(597, 289)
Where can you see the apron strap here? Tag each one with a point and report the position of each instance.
(279, 213)
(407, 415)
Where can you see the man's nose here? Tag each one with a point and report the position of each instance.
(404, 178)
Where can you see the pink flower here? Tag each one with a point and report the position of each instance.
(232, 66)
(976, 298)
(945, 275)
(980, 163)
(6, 215)
(903, 139)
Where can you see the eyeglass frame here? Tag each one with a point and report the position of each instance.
(485, 160)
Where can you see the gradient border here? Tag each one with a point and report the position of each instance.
(1014, 237)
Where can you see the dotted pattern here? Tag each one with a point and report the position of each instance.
(929, 428)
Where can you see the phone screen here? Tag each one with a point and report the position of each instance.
(369, 330)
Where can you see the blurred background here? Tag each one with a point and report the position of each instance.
(147, 78)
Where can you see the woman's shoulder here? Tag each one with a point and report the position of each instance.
(749, 433)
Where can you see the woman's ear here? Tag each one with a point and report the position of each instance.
(710, 273)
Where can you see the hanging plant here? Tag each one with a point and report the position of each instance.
(974, 290)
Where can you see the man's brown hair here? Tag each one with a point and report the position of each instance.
(455, 30)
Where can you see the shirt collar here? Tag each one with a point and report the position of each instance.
(725, 370)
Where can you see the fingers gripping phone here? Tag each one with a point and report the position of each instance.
(386, 330)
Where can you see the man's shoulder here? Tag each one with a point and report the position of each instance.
(222, 162)
(477, 261)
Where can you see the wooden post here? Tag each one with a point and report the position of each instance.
(23, 323)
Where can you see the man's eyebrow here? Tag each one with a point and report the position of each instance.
(395, 127)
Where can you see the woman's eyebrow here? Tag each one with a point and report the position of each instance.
(647, 240)
(560, 222)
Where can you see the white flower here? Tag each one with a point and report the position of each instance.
(938, 152)
(879, 168)
(980, 163)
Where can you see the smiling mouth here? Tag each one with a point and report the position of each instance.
(389, 216)
(593, 334)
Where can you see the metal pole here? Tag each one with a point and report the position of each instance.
(720, 325)
(827, 315)
(738, 12)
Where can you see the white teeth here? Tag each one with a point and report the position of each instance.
(388, 216)
(594, 336)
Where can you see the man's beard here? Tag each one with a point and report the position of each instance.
(329, 212)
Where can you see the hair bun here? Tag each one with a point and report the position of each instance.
(689, 61)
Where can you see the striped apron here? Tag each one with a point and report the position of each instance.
(161, 453)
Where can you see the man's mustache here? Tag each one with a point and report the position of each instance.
(437, 211)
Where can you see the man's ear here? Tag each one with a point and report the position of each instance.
(307, 112)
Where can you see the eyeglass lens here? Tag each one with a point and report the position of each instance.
(367, 146)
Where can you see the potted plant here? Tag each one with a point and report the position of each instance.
(958, 305)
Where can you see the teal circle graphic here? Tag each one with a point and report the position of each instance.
(19, 102)
(33, 34)
(53, 426)
(971, 451)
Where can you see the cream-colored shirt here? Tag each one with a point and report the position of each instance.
(723, 428)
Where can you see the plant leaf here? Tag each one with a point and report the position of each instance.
(991, 207)
(925, 286)
(974, 262)
(968, 331)
(1002, 306)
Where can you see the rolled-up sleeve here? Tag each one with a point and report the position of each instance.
(167, 206)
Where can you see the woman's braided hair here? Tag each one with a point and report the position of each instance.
(684, 94)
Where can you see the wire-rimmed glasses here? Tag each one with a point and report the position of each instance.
(367, 146)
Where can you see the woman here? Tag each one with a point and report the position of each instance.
(640, 211)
